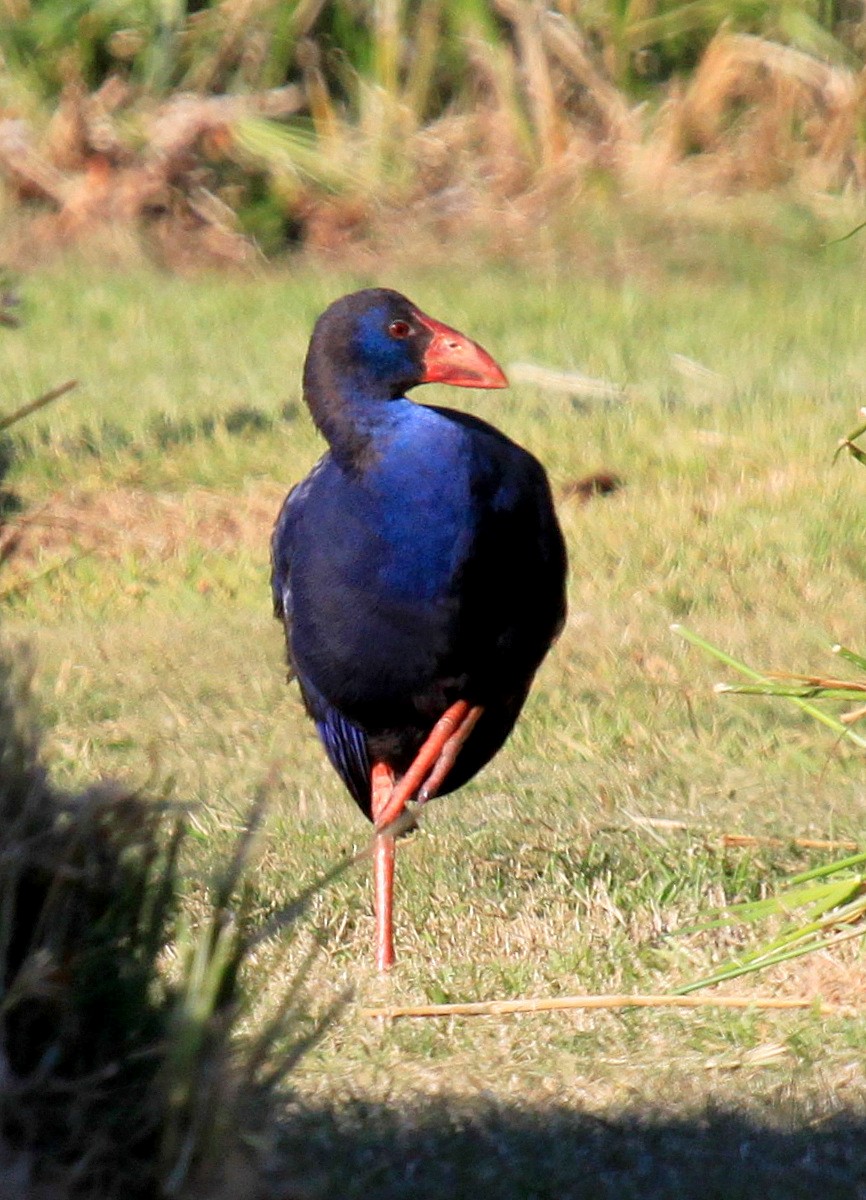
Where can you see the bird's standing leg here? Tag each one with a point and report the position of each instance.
(388, 800)
(382, 788)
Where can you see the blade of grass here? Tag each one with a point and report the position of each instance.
(842, 864)
(849, 443)
(293, 150)
(741, 969)
(850, 656)
(853, 691)
(825, 718)
(749, 911)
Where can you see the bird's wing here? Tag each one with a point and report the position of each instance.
(345, 744)
(282, 541)
(518, 562)
(282, 545)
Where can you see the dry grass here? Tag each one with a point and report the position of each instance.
(757, 115)
(596, 833)
(538, 123)
(149, 526)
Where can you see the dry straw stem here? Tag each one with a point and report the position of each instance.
(540, 88)
(33, 406)
(499, 1008)
(745, 839)
(567, 44)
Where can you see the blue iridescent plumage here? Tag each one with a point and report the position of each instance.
(419, 563)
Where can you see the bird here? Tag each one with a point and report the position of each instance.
(419, 569)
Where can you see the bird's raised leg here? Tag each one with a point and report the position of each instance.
(433, 761)
(388, 800)
(448, 754)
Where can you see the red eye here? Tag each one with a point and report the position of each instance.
(399, 329)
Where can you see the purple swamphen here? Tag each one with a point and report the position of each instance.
(419, 569)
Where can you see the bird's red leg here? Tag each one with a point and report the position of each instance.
(382, 787)
(448, 754)
(445, 739)
(388, 800)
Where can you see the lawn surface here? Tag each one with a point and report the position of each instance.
(141, 588)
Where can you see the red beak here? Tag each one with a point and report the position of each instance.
(454, 358)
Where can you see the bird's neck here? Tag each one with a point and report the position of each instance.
(353, 416)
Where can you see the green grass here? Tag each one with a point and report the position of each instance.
(156, 654)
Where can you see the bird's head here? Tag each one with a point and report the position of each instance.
(379, 342)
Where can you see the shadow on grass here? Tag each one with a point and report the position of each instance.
(460, 1149)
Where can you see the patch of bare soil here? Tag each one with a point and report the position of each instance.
(123, 522)
(838, 976)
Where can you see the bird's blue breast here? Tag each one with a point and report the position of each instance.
(417, 496)
(374, 559)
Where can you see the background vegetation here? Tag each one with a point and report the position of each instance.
(711, 375)
(220, 130)
(636, 207)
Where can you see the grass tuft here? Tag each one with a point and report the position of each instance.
(597, 831)
(832, 897)
(122, 1073)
